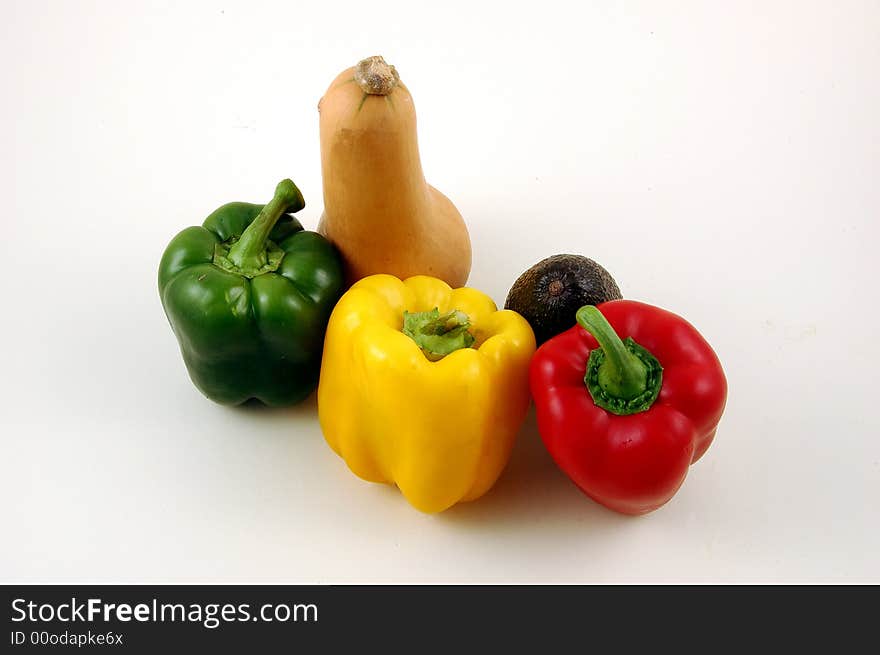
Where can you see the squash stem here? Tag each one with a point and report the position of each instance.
(375, 76)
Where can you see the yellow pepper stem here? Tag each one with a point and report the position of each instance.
(438, 334)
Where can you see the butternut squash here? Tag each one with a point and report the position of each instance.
(378, 209)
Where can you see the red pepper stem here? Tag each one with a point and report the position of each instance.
(249, 252)
(621, 374)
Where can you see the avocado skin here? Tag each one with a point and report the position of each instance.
(583, 282)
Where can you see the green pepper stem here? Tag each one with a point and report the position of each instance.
(250, 250)
(621, 374)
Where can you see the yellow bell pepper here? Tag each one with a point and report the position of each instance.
(442, 431)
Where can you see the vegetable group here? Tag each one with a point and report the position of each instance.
(423, 382)
(248, 295)
(626, 419)
(405, 397)
(378, 209)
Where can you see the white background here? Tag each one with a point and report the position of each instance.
(720, 159)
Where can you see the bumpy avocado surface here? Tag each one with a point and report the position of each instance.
(549, 294)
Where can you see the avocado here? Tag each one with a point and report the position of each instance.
(549, 294)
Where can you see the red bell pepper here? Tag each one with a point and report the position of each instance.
(625, 419)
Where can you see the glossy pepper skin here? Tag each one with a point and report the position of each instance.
(634, 462)
(442, 431)
(248, 295)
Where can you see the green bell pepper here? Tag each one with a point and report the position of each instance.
(248, 295)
